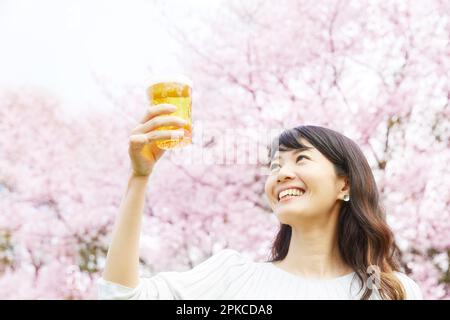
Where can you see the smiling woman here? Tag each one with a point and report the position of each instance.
(332, 232)
(334, 224)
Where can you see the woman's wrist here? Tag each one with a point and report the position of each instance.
(137, 176)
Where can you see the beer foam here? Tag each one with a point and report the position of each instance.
(164, 78)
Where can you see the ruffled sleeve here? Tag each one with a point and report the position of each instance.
(207, 280)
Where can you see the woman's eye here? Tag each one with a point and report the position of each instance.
(274, 165)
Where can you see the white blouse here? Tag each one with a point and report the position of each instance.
(231, 276)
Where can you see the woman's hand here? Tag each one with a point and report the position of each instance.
(142, 149)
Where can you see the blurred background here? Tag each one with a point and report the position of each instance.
(72, 86)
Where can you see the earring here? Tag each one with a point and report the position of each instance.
(346, 197)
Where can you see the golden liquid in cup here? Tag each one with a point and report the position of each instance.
(179, 94)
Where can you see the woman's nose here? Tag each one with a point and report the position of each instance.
(285, 173)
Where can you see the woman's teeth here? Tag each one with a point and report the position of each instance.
(290, 193)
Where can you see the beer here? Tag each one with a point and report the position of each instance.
(175, 90)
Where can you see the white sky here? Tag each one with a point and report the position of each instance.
(59, 45)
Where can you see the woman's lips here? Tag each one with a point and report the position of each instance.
(288, 198)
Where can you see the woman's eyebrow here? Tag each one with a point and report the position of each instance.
(293, 153)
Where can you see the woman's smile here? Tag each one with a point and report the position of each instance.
(289, 198)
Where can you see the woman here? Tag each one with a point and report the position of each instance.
(333, 241)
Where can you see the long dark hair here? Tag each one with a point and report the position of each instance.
(364, 238)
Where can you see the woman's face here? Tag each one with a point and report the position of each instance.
(310, 171)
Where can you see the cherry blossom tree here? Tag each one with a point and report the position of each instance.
(52, 218)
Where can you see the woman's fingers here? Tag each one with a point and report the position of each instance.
(160, 121)
(164, 135)
(157, 110)
(138, 139)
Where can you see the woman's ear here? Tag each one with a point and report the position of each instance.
(344, 187)
(347, 184)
